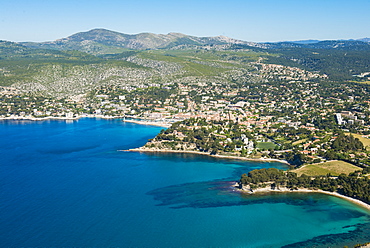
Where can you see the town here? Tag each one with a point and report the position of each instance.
(269, 111)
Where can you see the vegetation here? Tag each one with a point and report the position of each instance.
(339, 63)
(347, 143)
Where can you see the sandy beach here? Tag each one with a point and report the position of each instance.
(150, 123)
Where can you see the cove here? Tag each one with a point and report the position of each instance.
(67, 184)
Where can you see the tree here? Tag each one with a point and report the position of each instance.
(347, 143)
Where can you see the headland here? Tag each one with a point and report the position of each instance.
(268, 189)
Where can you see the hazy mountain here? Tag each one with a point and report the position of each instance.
(364, 39)
(317, 41)
(100, 41)
(304, 41)
(353, 45)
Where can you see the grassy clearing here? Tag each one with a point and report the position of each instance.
(299, 142)
(333, 167)
(364, 82)
(266, 145)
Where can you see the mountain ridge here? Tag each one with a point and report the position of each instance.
(100, 41)
(103, 41)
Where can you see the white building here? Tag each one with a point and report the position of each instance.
(69, 115)
(340, 119)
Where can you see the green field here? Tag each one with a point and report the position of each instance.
(266, 145)
(333, 167)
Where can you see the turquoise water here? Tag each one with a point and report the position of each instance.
(67, 184)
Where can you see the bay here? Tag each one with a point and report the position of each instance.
(68, 184)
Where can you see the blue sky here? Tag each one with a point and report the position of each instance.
(257, 20)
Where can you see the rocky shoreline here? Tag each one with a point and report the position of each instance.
(268, 189)
(144, 149)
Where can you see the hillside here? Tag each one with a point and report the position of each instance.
(62, 73)
(339, 60)
(85, 61)
(57, 73)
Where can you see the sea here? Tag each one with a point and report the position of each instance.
(71, 184)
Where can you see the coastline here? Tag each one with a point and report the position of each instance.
(304, 190)
(58, 118)
(259, 190)
(142, 149)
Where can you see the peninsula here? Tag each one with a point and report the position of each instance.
(354, 187)
(238, 140)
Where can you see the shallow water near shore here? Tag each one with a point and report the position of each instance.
(66, 184)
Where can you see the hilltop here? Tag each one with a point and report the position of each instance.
(103, 41)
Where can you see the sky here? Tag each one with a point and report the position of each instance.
(257, 20)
